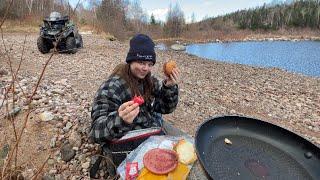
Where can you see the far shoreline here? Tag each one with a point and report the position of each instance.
(185, 42)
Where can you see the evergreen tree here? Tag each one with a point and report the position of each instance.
(152, 20)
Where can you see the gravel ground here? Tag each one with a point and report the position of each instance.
(207, 89)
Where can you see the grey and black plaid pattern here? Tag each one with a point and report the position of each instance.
(107, 125)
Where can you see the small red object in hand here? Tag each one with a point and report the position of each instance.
(138, 99)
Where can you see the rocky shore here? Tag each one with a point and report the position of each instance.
(61, 117)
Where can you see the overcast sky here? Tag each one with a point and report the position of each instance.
(200, 8)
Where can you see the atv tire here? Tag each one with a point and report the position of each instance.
(61, 47)
(80, 42)
(44, 45)
(71, 45)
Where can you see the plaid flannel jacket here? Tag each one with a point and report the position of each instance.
(107, 125)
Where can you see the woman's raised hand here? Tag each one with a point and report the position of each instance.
(174, 78)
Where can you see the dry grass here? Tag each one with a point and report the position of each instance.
(13, 26)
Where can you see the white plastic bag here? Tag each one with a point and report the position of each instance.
(163, 142)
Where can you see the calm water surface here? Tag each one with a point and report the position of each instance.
(300, 57)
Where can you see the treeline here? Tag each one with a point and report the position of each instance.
(123, 18)
(21, 9)
(299, 14)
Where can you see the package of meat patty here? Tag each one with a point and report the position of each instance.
(137, 155)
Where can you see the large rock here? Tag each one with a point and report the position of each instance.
(178, 47)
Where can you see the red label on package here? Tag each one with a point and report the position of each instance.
(132, 170)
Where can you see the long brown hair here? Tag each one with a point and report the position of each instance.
(123, 70)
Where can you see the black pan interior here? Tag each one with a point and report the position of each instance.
(259, 150)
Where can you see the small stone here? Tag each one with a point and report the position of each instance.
(58, 177)
(4, 151)
(48, 177)
(53, 142)
(59, 125)
(75, 139)
(62, 82)
(3, 72)
(67, 153)
(36, 97)
(53, 171)
(58, 91)
(85, 150)
(64, 167)
(65, 119)
(67, 127)
(82, 158)
(85, 165)
(27, 174)
(51, 162)
(46, 116)
(13, 112)
(61, 137)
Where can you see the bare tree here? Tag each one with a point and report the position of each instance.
(29, 5)
(111, 15)
(175, 21)
(136, 15)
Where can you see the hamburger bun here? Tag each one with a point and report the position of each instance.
(168, 67)
(186, 152)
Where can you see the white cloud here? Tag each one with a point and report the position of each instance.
(159, 14)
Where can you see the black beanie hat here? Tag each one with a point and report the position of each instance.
(141, 48)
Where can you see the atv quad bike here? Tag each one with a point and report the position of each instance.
(59, 32)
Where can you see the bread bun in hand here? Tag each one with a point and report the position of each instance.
(168, 67)
(186, 152)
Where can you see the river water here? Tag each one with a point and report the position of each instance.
(300, 56)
